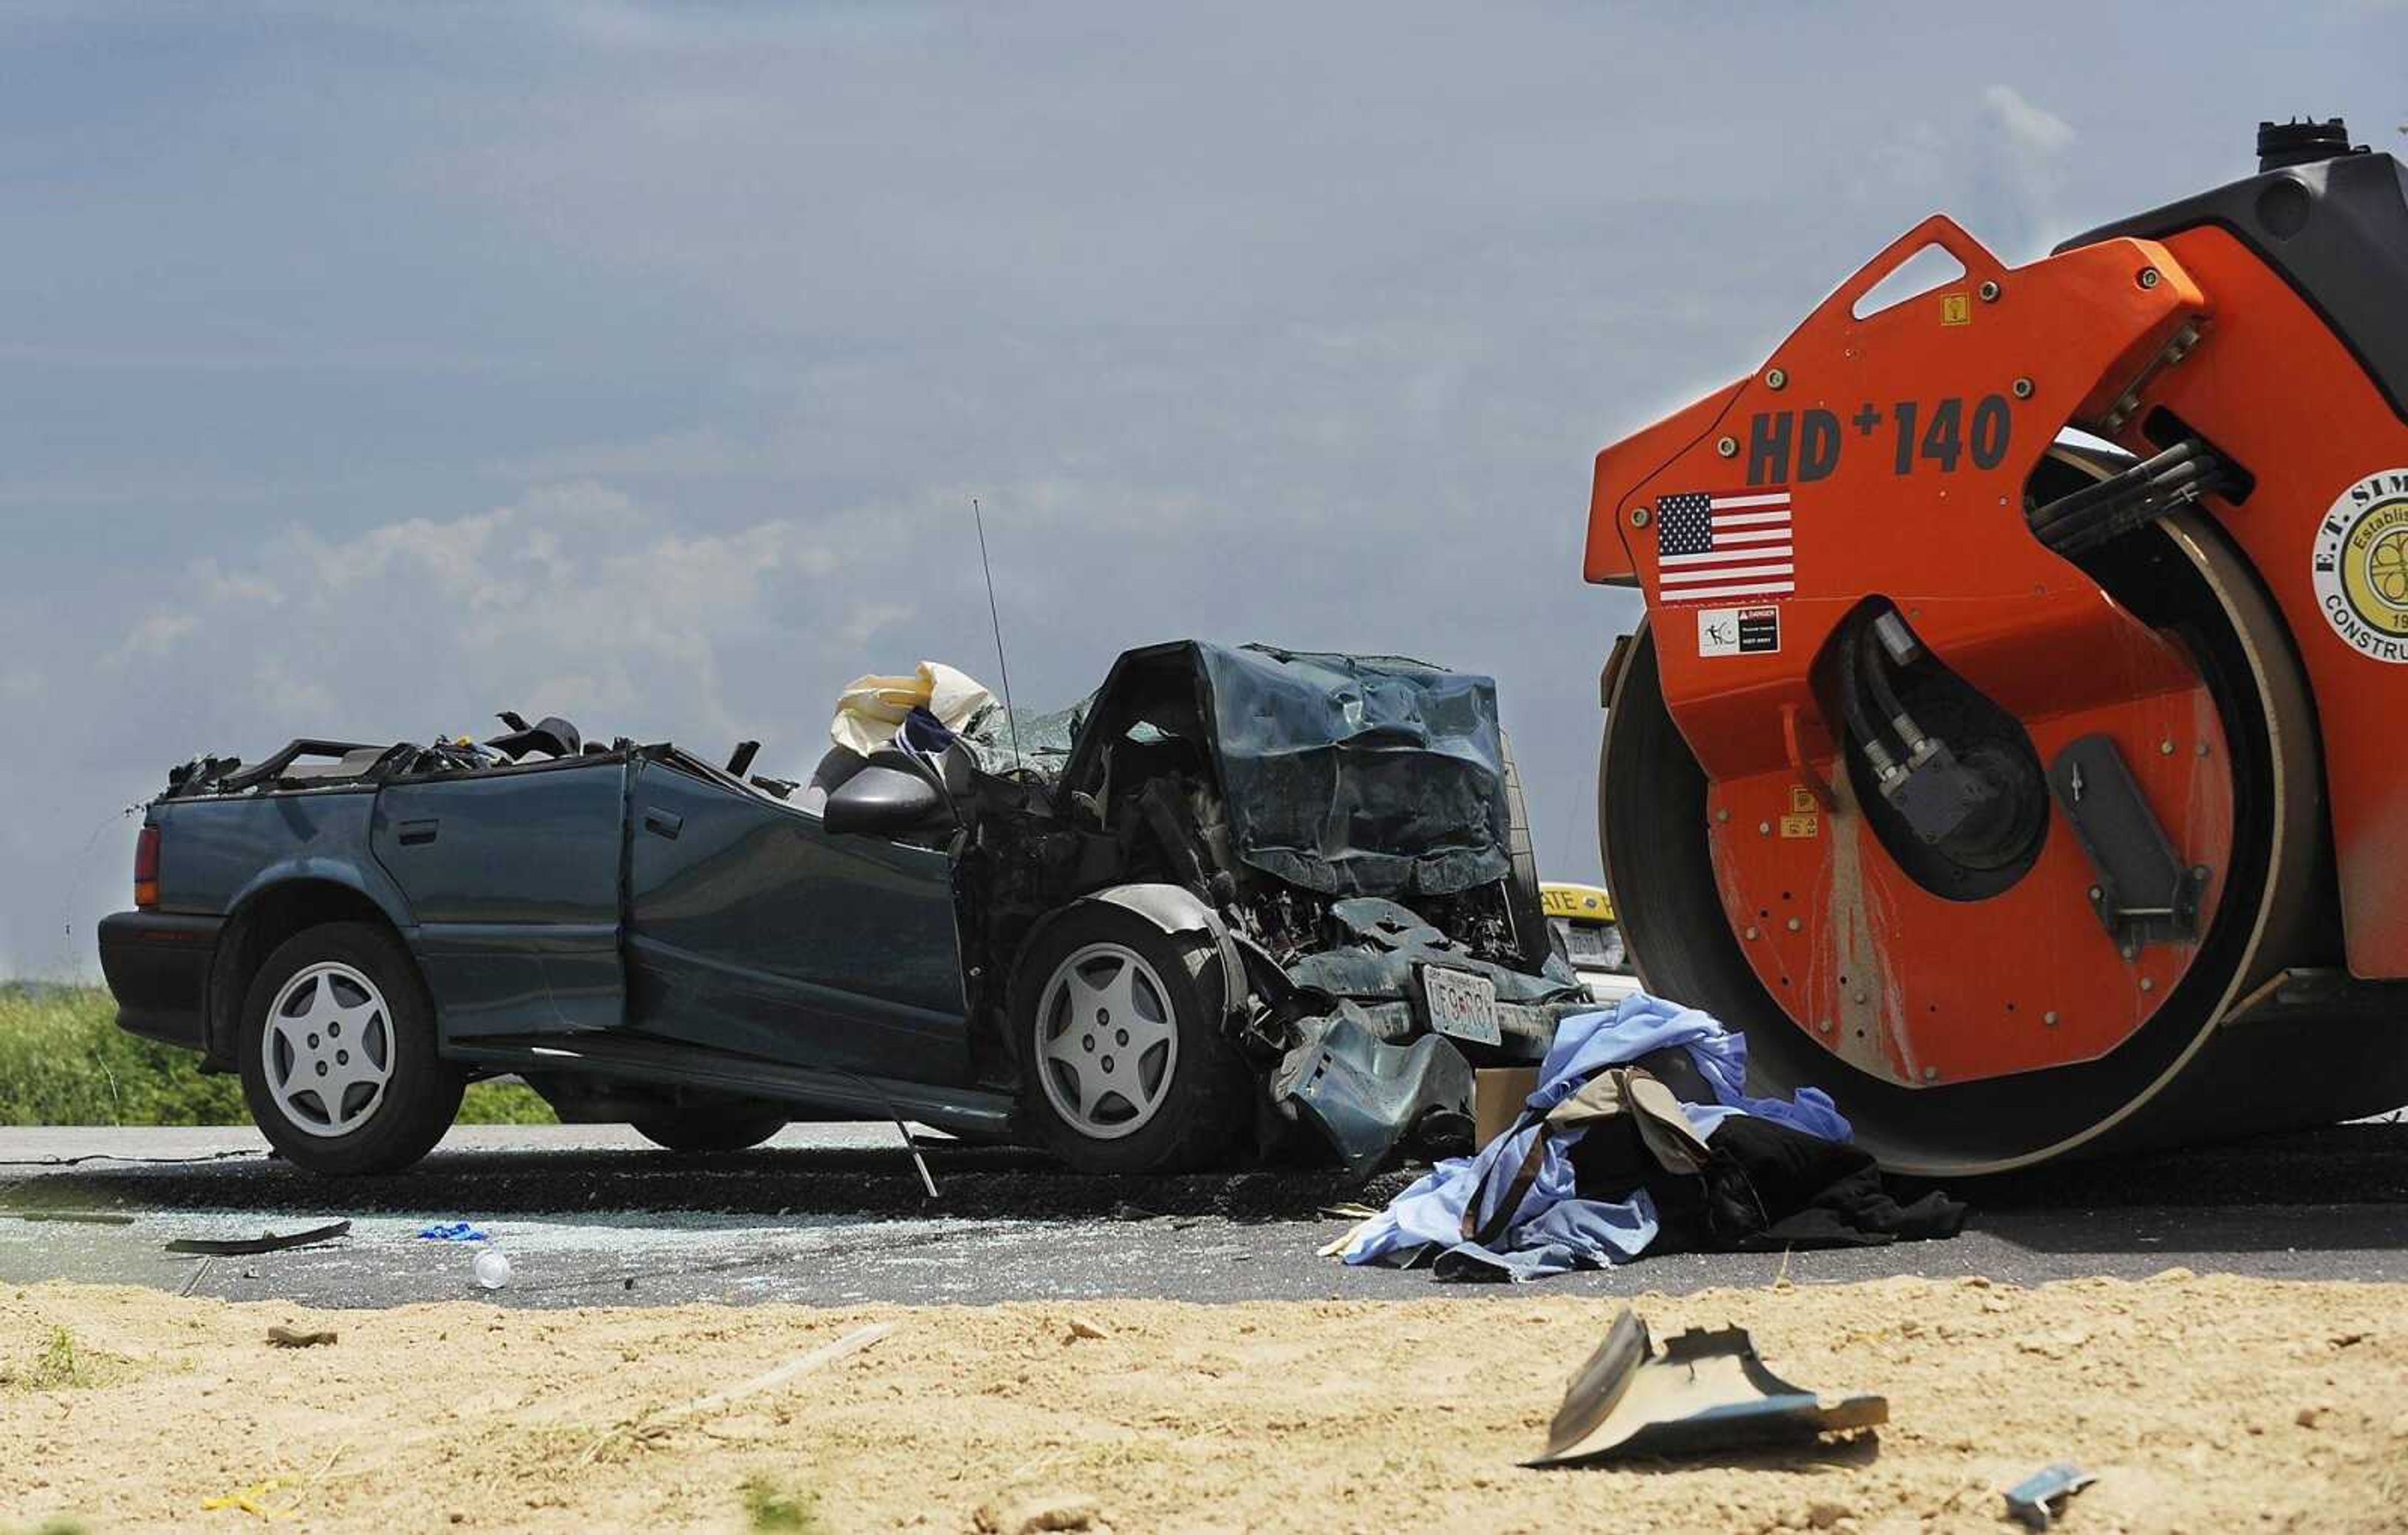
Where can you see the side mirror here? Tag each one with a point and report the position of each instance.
(882, 801)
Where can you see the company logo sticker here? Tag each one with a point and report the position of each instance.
(2362, 566)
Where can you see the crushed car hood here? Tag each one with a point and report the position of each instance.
(1349, 775)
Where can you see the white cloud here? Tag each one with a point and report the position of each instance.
(865, 621)
(2019, 172)
(221, 587)
(574, 597)
(2032, 129)
(154, 636)
(702, 451)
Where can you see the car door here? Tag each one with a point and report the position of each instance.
(754, 929)
(512, 876)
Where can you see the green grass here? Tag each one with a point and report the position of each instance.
(65, 1061)
(59, 1365)
(769, 1507)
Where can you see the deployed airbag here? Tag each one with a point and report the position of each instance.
(872, 709)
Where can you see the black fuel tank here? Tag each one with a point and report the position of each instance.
(2332, 220)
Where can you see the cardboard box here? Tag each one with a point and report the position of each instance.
(1497, 1094)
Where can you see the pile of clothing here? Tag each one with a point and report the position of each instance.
(1642, 1138)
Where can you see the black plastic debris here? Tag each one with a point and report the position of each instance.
(552, 736)
(1706, 1392)
(265, 1242)
(2040, 1498)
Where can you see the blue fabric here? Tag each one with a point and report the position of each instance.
(452, 1231)
(1554, 1230)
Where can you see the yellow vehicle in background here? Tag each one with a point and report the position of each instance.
(1581, 918)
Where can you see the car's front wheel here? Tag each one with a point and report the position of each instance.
(339, 1064)
(1127, 1067)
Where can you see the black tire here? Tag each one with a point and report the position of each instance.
(1522, 897)
(1199, 1107)
(714, 1128)
(397, 1121)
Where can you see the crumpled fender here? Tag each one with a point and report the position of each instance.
(1366, 1095)
(1175, 910)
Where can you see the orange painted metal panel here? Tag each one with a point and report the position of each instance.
(2271, 386)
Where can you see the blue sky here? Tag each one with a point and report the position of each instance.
(369, 370)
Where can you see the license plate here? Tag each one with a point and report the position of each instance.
(1461, 1004)
(1588, 943)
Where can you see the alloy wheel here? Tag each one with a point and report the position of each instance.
(1107, 1041)
(327, 1049)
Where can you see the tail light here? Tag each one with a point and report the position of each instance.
(146, 869)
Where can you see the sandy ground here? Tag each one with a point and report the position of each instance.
(2203, 1403)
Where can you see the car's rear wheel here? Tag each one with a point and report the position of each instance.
(339, 1064)
(1126, 1068)
(717, 1128)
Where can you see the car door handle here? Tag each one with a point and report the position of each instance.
(663, 824)
(419, 832)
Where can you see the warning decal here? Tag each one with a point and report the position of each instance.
(1738, 631)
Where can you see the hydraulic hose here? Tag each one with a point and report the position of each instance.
(2138, 495)
(1910, 735)
(1860, 724)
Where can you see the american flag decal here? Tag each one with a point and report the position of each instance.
(1712, 546)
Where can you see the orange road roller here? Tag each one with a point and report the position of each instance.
(2013, 745)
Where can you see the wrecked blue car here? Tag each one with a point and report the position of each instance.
(1239, 903)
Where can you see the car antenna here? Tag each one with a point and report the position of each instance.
(1009, 716)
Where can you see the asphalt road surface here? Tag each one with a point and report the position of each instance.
(838, 1214)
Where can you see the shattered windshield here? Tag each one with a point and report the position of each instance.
(1007, 737)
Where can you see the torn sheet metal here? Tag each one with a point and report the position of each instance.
(1365, 1095)
(1358, 774)
(1706, 1392)
(1343, 775)
(2039, 1497)
(1390, 942)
